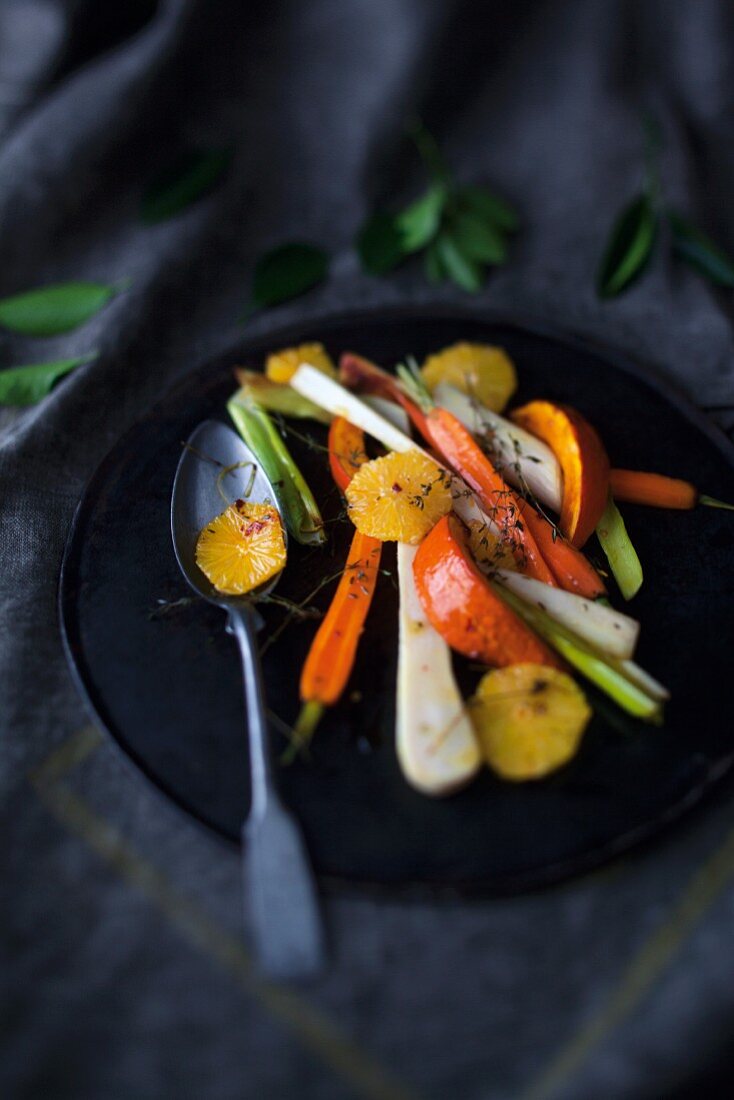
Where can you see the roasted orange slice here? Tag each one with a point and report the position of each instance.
(399, 497)
(242, 548)
(529, 719)
(280, 366)
(484, 372)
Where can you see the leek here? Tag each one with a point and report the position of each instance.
(620, 552)
(611, 676)
(295, 499)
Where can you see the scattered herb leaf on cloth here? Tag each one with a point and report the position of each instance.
(629, 247)
(191, 176)
(287, 272)
(459, 230)
(700, 252)
(380, 244)
(51, 310)
(27, 385)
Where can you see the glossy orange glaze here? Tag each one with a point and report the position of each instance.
(583, 460)
(462, 606)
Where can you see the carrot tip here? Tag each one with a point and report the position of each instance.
(712, 502)
(308, 720)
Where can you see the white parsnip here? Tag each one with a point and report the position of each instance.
(339, 401)
(522, 459)
(607, 630)
(436, 744)
(392, 412)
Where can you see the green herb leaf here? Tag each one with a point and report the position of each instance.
(51, 310)
(419, 222)
(380, 244)
(700, 252)
(629, 248)
(433, 264)
(478, 239)
(27, 385)
(462, 270)
(484, 204)
(192, 175)
(287, 272)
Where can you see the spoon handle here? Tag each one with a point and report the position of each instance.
(280, 893)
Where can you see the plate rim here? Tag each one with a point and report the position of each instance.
(417, 889)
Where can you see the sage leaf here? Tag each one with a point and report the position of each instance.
(493, 210)
(51, 310)
(419, 222)
(478, 239)
(192, 175)
(462, 270)
(27, 385)
(700, 252)
(629, 248)
(380, 244)
(433, 264)
(286, 272)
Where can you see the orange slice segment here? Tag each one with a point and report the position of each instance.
(484, 372)
(280, 366)
(242, 548)
(399, 497)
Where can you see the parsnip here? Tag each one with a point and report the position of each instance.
(522, 459)
(608, 630)
(436, 744)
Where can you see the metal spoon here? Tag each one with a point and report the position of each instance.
(279, 886)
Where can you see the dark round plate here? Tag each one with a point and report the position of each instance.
(165, 682)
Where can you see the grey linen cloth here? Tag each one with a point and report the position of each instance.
(125, 971)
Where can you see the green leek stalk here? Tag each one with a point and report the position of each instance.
(276, 397)
(606, 673)
(300, 510)
(620, 552)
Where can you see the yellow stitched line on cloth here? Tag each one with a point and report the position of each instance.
(646, 967)
(310, 1026)
(69, 755)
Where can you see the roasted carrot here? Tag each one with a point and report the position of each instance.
(659, 491)
(570, 567)
(462, 453)
(333, 651)
(639, 487)
(346, 450)
(461, 605)
(358, 373)
(331, 656)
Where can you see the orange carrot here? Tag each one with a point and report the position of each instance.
(333, 651)
(358, 373)
(462, 606)
(572, 570)
(638, 487)
(463, 454)
(346, 451)
(331, 656)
